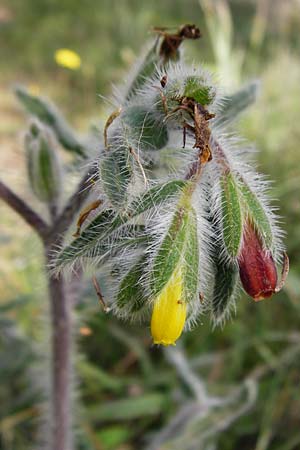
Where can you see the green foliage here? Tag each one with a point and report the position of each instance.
(190, 264)
(128, 408)
(144, 128)
(226, 278)
(197, 89)
(19, 396)
(256, 213)
(115, 172)
(47, 113)
(155, 196)
(43, 165)
(232, 218)
(95, 230)
(113, 436)
(171, 251)
(132, 296)
(233, 105)
(90, 242)
(146, 70)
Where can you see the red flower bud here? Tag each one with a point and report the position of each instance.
(256, 265)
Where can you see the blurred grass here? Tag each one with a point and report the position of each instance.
(118, 370)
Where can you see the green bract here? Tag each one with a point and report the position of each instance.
(44, 171)
(239, 204)
(108, 222)
(256, 212)
(190, 263)
(144, 129)
(47, 113)
(226, 278)
(232, 105)
(146, 69)
(170, 251)
(178, 249)
(115, 172)
(196, 87)
(132, 296)
(232, 224)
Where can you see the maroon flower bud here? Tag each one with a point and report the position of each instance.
(256, 265)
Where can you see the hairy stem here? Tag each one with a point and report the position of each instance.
(60, 309)
(61, 343)
(19, 206)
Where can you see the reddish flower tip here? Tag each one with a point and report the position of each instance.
(257, 268)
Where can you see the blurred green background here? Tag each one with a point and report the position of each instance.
(128, 390)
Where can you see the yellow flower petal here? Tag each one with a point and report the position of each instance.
(169, 312)
(67, 58)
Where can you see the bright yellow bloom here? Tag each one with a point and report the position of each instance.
(67, 58)
(169, 312)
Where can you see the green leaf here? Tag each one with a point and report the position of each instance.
(50, 178)
(43, 165)
(14, 304)
(145, 71)
(257, 213)
(87, 240)
(191, 261)
(226, 278)
(232, 225)
(145, 128)
(131, 297)
(47, 113)
(94, 378)
(127, 236)
(170, 251)
(196, 88)
(154, 196)
(109, 246)
(235, 104)
(128, 408)
(108, 221)
(154, 59)
(111, 437)
(115, 172)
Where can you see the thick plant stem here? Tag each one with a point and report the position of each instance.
(61, 300)
(61, 381)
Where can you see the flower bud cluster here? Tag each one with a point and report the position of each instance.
(185, 220)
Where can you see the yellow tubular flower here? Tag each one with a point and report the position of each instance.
(169, 312)
(67, 58)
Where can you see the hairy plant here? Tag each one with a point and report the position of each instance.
(174, 214)
(183, 218)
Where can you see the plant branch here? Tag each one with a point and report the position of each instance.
(24, 210)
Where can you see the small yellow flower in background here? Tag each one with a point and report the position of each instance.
(169, 312)
(67, 58)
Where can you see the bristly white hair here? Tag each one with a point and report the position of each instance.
(238, 159)
(177, 75)
(121, 93)
(159, 221)
(205, 239)
(172, 162)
